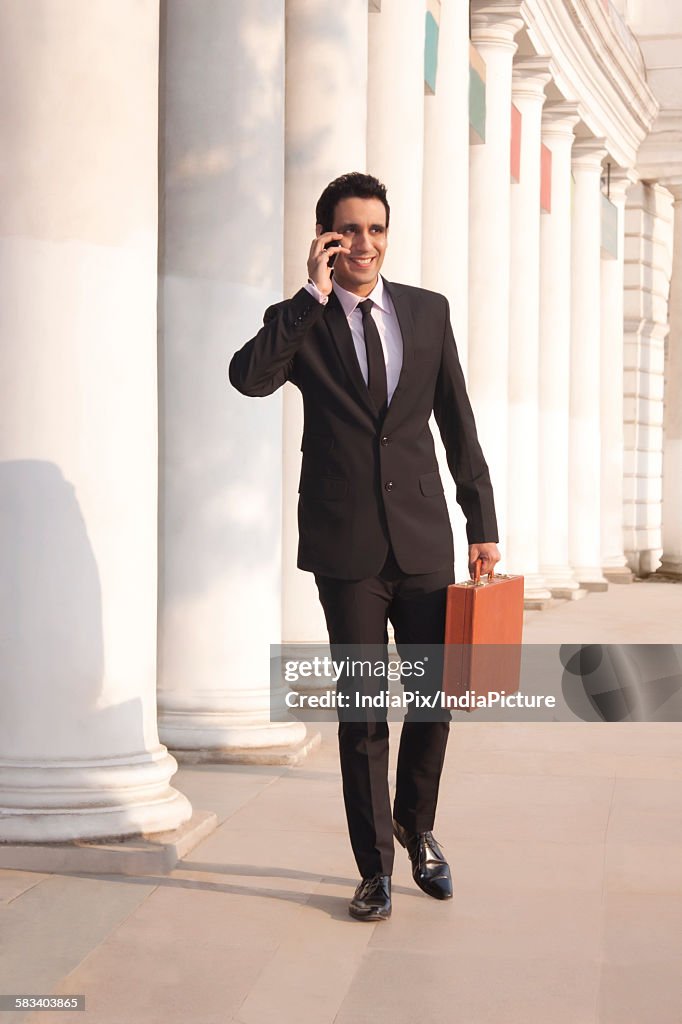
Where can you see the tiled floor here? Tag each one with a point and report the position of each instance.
(566, 846)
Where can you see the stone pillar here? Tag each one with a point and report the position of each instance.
(395, 127)
(445, 209)
(584, 474)
(493, 29)
(649, 240)
(220, 267)
(80, 756)
(558, 122)
(326, 119)
(614, 565)
(530, 76)
(671, 561)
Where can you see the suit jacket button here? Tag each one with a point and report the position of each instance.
(385, 440)
(388, 486)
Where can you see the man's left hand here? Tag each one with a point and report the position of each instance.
(489, 555)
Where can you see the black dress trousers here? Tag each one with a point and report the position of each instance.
(357, 613)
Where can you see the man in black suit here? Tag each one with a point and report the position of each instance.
(373, 360)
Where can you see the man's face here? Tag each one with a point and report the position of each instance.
(362, 222)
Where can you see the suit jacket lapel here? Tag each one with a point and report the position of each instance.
(340, 331)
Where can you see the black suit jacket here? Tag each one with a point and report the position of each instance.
(364, 480)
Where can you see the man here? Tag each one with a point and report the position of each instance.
(373, 360)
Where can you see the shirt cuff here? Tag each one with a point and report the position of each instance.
(316, 293)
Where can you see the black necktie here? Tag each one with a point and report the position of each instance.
(376, 365)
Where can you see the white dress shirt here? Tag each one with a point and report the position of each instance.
(387, 325)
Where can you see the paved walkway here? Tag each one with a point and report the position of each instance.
(643, 612)
(566, 846)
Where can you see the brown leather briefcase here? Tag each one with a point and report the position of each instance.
(483, 636)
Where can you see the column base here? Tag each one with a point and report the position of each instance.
(153, 854)
(569, 594)
(90, 800)
(217, 735)
(231, 726)
(671, 569)
(290, 755)
(561, 583)
(618, 574)
(533, 602)
(591, 579)
(644, 562)
(535, 593)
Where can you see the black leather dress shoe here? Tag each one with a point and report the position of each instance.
(430, 869)
(372, 899)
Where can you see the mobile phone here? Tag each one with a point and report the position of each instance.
(329, 245)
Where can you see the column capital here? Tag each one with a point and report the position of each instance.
(674, 186)
(530, 75)
(589, 153)
(620, 180)
(496, 22)
(559, 119)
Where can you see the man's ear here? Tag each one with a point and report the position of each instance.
(318, 230)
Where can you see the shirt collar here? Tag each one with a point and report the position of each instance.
(349, 301)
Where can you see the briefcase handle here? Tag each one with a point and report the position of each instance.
(477, 572)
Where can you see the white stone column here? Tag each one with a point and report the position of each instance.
(584, 474)
(80, 756)
(558, 122)
(220, 267)
(614, 565)
(529, 78)
(395, 128)
(445, 209)
(326, 120)
(648, 245)
(671, 560)
(493, 28)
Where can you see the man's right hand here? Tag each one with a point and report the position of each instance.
(319, 270)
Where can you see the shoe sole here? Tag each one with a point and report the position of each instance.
(373, 915)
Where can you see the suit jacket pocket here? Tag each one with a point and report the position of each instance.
(323, 488)
(431, 484)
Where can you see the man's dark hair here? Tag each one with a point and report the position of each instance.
(364, 186)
